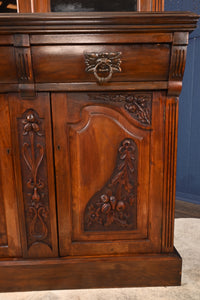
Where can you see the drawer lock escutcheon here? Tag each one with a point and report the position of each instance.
(103, 64)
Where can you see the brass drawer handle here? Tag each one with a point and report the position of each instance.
(103, 64)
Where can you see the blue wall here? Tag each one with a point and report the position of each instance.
(188, 160)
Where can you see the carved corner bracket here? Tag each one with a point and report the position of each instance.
(114, 207)
(138, 105)
(24, 65)
(177, 65)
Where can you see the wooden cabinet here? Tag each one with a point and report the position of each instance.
(88, 130)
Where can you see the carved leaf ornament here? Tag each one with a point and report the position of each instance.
(114, 207)
(33, 155)
(138, 105)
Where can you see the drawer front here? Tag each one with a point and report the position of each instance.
(138, 62)
(8, 73)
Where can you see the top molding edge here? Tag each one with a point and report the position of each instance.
(98, 22)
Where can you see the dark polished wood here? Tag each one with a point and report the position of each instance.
(88, 113)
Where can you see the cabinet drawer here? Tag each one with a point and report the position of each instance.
(66, 63)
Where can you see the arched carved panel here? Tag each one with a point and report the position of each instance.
(106, 158)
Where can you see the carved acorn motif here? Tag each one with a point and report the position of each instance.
(30, 118)
(120, 206)
(113, 202)
(109, 203)
(31, 124)
(106, 207)
(104, 198)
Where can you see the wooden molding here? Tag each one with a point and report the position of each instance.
(125, 22)
(171, 121)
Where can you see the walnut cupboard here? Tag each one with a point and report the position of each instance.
(88, 127)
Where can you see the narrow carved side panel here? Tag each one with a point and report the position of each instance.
(139, 106)
(114, 207)
(34, 178)
(170, 173)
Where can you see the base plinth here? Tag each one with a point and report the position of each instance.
(91, 272)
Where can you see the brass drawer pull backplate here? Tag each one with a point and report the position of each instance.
(103, 64)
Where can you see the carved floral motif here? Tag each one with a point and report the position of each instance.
(114, 207)
(138, 105)
(36, 203)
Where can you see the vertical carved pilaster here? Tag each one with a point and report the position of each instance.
(171, 119)
(158, 5)
(34, 179)
(178, 63)
(24, 65)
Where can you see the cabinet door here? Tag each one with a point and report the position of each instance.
(9, 225)
(104, 177)
(34, 174)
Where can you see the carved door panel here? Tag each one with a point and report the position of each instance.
(103, 173)
(9, 225)
(33, 163)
